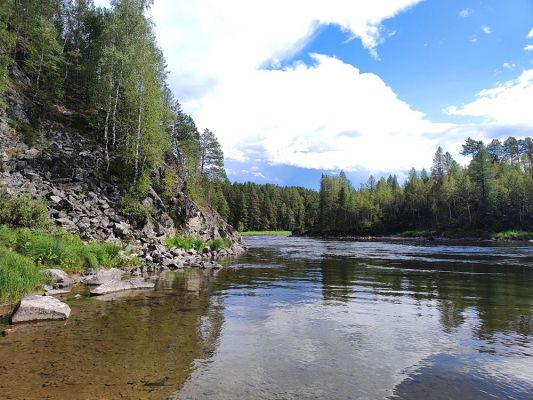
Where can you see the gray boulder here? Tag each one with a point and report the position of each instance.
(36, 308)
(102, 276)
(58, 278)
(119, 286)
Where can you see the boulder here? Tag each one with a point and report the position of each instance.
(102, 276)
(58, 278)
(35, 308)
(119, 286)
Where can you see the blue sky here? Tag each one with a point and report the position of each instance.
(294, 89)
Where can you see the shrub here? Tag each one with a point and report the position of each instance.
(23, 211)
(134, 211)
(18, 276)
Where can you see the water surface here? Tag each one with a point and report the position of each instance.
(298, 318)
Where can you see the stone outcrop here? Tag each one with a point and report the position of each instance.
(65, 169)
(119, 286)
(58, 278)
(35, 308)
(101, 276)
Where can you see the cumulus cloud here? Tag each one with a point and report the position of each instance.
(529, 47)
(530, 34)
(508, 103)
(327, 115)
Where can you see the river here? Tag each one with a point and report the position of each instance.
(297, 318)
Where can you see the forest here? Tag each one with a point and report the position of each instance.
(494, 192)
(105, 65)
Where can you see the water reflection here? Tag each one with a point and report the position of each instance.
(321, 319)
(298, 319)
(139, 346)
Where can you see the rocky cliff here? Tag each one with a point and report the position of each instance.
(53, 161)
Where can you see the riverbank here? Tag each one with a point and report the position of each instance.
(54, 263)
(428, 235)
(263, 233)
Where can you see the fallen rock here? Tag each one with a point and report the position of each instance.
(56, 292)
(119, 286)
(58, 278)
(102, 276)
(35, 308)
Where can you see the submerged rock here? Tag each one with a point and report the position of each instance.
(36, 308)
(118, 286)
(102, 276)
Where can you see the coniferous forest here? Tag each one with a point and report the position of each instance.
(493, 193)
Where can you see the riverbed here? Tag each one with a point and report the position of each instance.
(297, 318)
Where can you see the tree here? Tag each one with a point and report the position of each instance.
(211, 157)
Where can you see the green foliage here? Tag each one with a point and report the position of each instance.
(23, 211)
(19, 275)
(7, 42)
(218, 244)
(188, 243)
(264, 233)
(59, 249)
(184, 242)
(134, 211)
(513, 235)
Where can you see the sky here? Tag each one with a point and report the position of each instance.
(294, 89)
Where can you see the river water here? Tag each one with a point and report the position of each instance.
(297, 318)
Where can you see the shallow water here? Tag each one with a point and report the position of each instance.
(298, 319)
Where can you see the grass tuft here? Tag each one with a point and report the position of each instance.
(188, 243)
(19, 275)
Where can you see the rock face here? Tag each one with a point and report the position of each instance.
(102, 276)
(58, 278)
(35, 308)
(119, 286)
(65, 169)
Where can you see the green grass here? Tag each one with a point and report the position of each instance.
(258, 233)
(60, 249)
(19, 275)
(219, 244)
(188, 243)
(513, 235)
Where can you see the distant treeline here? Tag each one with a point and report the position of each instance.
(494, 192)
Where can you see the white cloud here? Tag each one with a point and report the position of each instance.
(508, 103)
(465, 13)
(300, 116)
(529, 47)
(509, 65)
(530, 34)
(486, 29)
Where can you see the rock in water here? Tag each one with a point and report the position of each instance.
(58, 278)
(35, 308)
(102, 276)
(118, 286)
